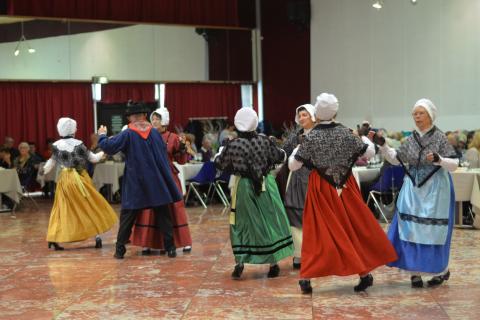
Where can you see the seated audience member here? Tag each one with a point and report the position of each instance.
(473, 153)
(453, 140)
(9, 144)
(206, 149)
(6, 160)
(190, 147)
(226, 133)
(25, 166)
(37, 158)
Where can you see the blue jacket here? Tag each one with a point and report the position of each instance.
(147, 180)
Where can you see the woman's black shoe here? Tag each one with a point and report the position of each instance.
(187, 249)
(119, 251)
(417, 282)
(274, 271)
(98, 243)
(172, 253)
(305, 286)
(146, 252)
(55, 246)
(364, 283)
(438, 280)
(296, 265)
(237, 272)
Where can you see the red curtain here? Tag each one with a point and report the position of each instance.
(30, 110)
(186, 100)
(193, 12)
(285, 62)
(122, 92)
(229, 55)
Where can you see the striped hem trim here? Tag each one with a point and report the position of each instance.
(420, 220)
(259, 253)
(266, 246)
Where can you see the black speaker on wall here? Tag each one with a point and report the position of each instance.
(298, 12)
(3, 7)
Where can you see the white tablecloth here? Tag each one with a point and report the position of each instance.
(187, 171)
(467, 188)
(364, 174)
(108, 173)
(10, 184)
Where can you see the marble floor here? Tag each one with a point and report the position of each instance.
(86, 283)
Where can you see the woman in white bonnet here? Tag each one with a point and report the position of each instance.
(259, 230)
(296, 189)
(79, 211)
(340, 235)
(421, 229)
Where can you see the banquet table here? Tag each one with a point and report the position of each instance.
(10, 185)
(466, 186)
(108, 173)
(187, 171)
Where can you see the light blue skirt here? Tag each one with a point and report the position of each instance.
(416, 257)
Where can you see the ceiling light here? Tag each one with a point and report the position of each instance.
(20, 41)
(413, 1)
(378, 4)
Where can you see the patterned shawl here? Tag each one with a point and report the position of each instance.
(413, 154)
(332, 149)
(251, 155)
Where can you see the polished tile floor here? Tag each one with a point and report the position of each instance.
(86, 283)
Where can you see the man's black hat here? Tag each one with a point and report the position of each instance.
(135, 108)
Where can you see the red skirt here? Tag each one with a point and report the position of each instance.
(146, 233)
(340, 234)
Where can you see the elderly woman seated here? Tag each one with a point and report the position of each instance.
(472, 156)
(26, 166)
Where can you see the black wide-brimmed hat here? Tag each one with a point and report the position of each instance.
(135, 108)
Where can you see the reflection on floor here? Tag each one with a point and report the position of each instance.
(86, 283)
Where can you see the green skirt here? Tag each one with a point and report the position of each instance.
(259, 227)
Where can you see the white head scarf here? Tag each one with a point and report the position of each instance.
(164, 116)
(429, 106)
(310, 109)
(246, 120)
(326, 106)
(66, 127)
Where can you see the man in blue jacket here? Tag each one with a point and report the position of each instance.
(147, 180)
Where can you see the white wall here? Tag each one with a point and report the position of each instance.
(379, 63)
(141, 52)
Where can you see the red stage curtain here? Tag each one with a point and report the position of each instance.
(186, 100)
(193, 12)
(30, 110)
(285, 62)
(122, 92)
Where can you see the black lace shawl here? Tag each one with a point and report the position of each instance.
(251, 155)
(77, 159)
(412, 154)
(332, 150)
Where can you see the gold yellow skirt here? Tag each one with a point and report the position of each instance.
(79, 210)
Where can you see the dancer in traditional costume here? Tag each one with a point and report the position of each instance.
(298, 180)
(147, 180)
(146, 233)
(79, 211)
(421, 230)
(340, 235)
(259, 230)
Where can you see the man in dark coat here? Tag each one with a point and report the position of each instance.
(147, 180)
